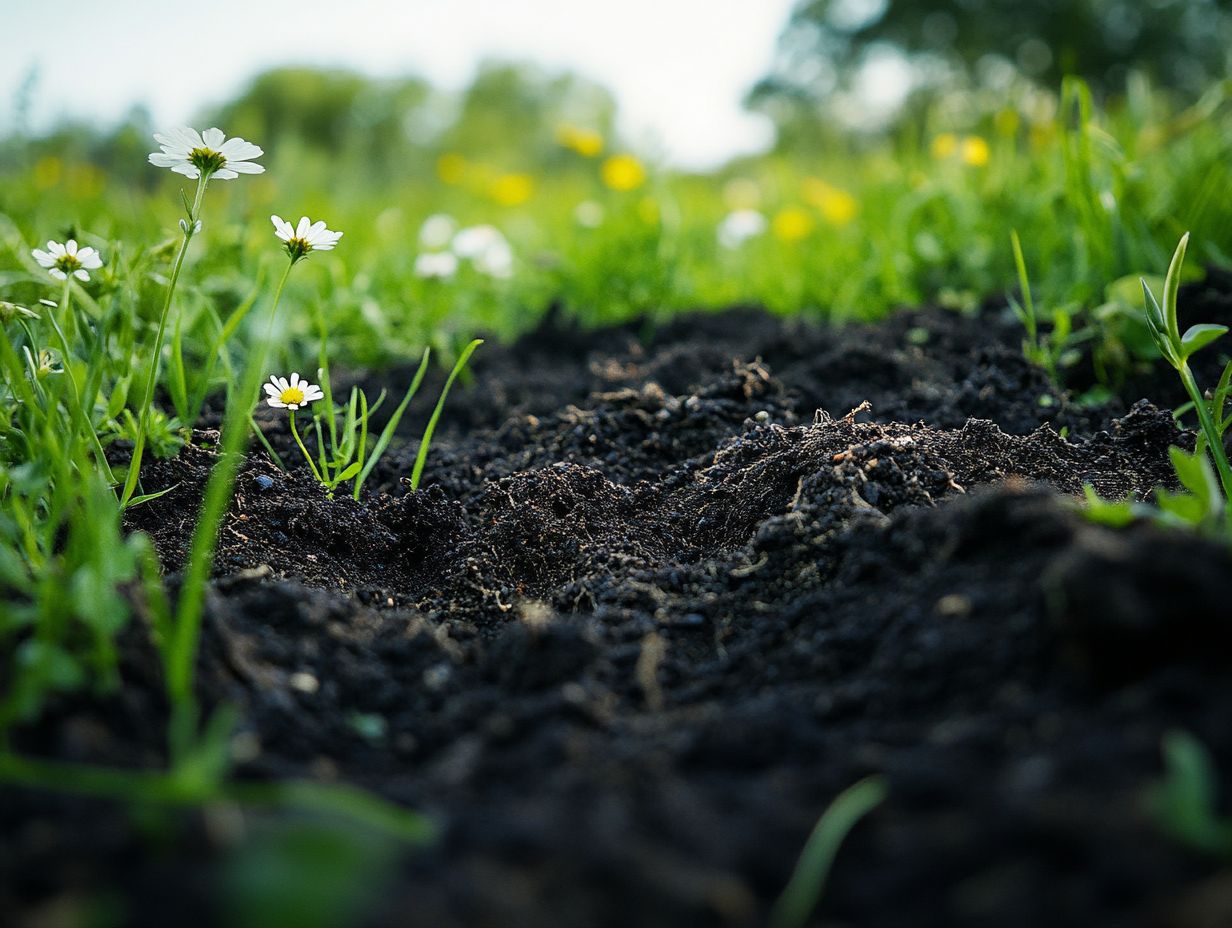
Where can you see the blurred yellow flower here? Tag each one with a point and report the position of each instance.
(838, 207)
(944, 145)
(47, 172)
(586, 142)
(512, 189)
(791, 224)
(85, 180)
(975, 151)
(1042, 134)
(451, 168)
(623, 172)
(1007, 121)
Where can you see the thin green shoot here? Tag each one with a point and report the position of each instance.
(808, 879)
(188, 229)
(426, 441)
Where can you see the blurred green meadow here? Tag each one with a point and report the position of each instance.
(844, 226)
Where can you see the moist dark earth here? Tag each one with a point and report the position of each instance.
(666, 591)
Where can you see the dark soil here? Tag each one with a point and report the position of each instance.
(664, 595)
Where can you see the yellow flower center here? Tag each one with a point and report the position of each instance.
(68, 263)
(292, 396)
(298, 248)
(206, 160)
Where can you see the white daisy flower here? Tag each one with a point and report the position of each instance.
(192, 153)
(496, 261)
(291, 394)
(486, 248)
(63, 260)
(588, 214)
(739, 226)
(437, 230)
(440, 265)
(306, 237)
(473, 241)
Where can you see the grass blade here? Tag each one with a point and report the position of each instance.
(808, 880)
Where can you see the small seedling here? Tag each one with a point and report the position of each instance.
(1177, 348)
(808, 880)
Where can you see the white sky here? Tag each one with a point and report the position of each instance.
(679, 68)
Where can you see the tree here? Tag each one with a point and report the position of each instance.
(1181, 44)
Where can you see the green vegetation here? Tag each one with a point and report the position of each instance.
(1186, 802)
(808, 880)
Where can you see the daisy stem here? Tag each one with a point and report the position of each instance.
(79, 412)
(182, 652)
(307, 457)
(147, 400)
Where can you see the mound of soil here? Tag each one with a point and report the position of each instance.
(663, 596)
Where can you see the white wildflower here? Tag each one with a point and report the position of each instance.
(486, 248)
(210, 153)
(739, 226)
(436, 231)
(306, 237)
(291, 394)
(440, 265)
(61, 260)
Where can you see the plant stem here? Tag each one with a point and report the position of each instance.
(1213, 439)
(307, 457)
(79, 412)
(182, 650)
(426, 441)
(134, 467)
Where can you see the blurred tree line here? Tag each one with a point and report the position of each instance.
(957, 46)
(947, 51)
(509, 115)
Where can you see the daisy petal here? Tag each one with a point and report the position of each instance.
(239, 150)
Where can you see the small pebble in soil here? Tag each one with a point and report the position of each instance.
(305, 682)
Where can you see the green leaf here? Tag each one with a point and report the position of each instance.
(1185, 801)
(145, 498)
(1195, 473)
(1197, 337)
(349, 472)
(1104, 512)
(1155, 322)
(1172, 285)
